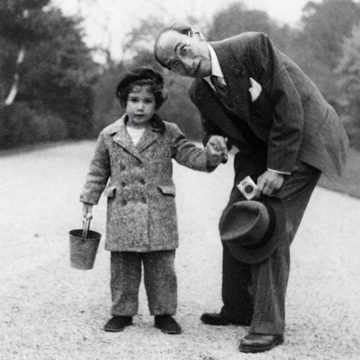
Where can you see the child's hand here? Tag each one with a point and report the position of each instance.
(216, 150)
(87, 210)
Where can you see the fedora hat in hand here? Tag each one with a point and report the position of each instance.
(252, 230)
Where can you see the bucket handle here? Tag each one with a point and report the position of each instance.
(86, 226)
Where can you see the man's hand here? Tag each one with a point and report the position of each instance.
(216, 150)
(87, 210)
(269, 182)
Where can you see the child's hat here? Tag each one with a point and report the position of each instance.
(140, 73)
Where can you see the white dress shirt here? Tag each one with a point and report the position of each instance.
(215, 68)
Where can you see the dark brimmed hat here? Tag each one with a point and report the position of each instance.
(252, 230)
(140, 73)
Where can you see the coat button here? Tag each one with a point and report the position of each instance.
(123, 184)
(142, 181)
(124, 203)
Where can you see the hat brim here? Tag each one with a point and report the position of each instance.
(256, 254)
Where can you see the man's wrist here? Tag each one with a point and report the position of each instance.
(279, 172)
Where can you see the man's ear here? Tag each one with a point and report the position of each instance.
(201, 36)
(198, 34)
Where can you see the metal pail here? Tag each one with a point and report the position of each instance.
(83, 246)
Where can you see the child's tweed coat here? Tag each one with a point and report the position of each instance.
(141, 212)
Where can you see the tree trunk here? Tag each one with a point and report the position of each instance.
(20, 58)
(15, 86)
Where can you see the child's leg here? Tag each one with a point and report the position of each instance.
(160, 282)
(125, 281)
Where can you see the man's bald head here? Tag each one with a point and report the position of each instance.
(182, 50)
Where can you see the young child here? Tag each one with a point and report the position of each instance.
(132, 164)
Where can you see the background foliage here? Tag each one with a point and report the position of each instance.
(62, 93)
(55, 97)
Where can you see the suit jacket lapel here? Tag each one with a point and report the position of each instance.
(212, 109)
(237, 80)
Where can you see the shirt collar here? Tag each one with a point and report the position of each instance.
(215, 66)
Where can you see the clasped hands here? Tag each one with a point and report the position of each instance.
(216, 150)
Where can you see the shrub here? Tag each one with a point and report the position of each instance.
(21, 125)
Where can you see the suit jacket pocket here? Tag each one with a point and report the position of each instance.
(167, 189)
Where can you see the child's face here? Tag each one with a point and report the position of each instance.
(140, 106)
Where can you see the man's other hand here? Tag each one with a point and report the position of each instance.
(269, 182)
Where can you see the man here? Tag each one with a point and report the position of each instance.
(252, 94)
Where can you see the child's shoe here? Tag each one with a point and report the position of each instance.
(118, 323)
(167, 324)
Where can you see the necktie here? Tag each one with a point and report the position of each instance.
(221, 90)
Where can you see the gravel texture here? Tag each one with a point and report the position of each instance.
(52, 311)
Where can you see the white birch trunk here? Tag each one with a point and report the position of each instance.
(20, 58)
(15, 86)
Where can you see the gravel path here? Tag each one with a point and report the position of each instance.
(51, 311)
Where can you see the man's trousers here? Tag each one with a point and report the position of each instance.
(257, 291)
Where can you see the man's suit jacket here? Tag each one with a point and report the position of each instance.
(290, 118)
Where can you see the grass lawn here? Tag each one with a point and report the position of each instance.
(349, 183)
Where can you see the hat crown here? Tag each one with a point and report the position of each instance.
(245, 221)
(140, 73)
(252, 229)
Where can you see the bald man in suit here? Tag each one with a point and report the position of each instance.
(254, 96)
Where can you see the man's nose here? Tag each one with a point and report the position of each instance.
(187, 63)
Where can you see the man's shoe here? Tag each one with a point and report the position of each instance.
(167, 324)
(221, 320)
(118, 323)
(254, 343)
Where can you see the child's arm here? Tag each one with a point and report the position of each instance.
(188, 154)
(98, 174)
